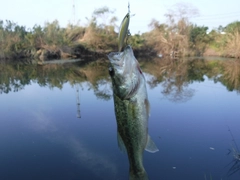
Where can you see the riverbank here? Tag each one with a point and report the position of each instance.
(96, 40)
(52, 52)
(49, 53)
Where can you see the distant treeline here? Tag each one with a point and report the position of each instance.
(177, 37)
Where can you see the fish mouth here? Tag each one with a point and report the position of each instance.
(118, 58)
(128, 49)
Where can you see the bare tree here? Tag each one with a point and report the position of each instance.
(173, 36)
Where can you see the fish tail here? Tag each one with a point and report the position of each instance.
(138, 175)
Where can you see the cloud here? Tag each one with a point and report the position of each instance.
(98, 163)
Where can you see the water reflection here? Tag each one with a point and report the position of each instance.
(235, 163)
(78, 100)
(230, 75)
(59, 139)
(38, 107)
(174, 76)
(234, 151)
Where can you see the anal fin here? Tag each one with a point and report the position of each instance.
(150, 146)
(121, 143)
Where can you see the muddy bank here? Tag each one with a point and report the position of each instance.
(47, 53)
(213, 52)
(50, 53)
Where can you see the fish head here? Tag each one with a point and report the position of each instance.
(122, 62)
(125, 73)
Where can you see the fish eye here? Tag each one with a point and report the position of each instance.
(111, 71)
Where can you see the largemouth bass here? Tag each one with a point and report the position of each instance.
(131, 110)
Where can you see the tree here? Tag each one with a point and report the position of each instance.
(173, 36)
(232, 37)
(198, 39)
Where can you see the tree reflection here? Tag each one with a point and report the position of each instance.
(102, 90)
(174, 76)
(96, 74)
(177, 93)
(13, 77)
(231, 75)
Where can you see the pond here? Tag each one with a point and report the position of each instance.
(58, 121)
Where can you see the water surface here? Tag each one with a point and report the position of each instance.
(58, 122)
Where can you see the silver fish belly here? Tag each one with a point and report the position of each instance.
(131, 110)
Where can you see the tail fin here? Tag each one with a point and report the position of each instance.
(138, 175)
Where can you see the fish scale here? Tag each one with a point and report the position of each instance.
(129, 125)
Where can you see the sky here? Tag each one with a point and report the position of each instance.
(212, 13)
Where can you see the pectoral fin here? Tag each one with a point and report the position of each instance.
(151, 147)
